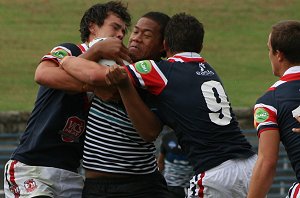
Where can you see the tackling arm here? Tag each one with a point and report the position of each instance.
(49, 74)
(84, 70)
(143, 119)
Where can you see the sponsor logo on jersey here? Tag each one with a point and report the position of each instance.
(143, 67)
(260, 115)
(73, 129)
(30, 185)
(203, 71)
(59, 53)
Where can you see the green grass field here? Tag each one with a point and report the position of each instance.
(235, 40)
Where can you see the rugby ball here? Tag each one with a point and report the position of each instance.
(105, 61)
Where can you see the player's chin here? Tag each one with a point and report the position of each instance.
(135, 56)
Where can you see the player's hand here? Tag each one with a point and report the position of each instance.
(117, 76)
(297, 130)
(112, 49)
(296, 115)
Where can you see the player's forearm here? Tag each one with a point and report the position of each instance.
(50, 75)
(261, 179)
(143, 119)
(84, 70)
(160, 162)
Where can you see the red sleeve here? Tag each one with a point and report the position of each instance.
(147, 75)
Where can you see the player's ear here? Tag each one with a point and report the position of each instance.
(279, 55)
(92, 28)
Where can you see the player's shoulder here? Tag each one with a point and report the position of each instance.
(70, 49)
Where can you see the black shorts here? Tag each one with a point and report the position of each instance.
(135, 186)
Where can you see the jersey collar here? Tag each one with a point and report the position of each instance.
(293, 73)
(292, 70)
(186, 57)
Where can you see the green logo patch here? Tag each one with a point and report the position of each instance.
(143, 67)
(261, 115)
(59, 53)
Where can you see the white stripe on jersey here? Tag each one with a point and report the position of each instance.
(279, 82)
(163, 77)
(112, 144)
(265, 124)
(261, 105)
(139, 77)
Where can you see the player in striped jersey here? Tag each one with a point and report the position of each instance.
(46, 162)
(117, 161)
(192, 101)
(273, 112)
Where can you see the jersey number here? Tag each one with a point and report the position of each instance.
(217, 102)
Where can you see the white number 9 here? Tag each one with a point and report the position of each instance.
(217, 102)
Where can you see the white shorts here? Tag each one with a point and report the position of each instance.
(228, 180)
(21, 180)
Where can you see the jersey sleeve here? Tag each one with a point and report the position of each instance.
(62, 50)
(265, 114)
(147, 75)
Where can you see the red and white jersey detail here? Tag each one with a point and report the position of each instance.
(265, 115)
(149, 76)
(289, 75)
(186, 57)
(59, 52)
(83, 47)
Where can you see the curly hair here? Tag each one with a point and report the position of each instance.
(98, 13)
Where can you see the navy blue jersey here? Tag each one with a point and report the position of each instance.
(54, 133)
(192, 101)
(273, 111)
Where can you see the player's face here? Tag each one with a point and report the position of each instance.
(145, 41)
(113, 26)
(273, 59)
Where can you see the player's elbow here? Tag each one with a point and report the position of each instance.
(39, 76)
(150, 135)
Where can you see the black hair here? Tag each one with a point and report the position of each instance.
(98, 13)
(184, 33)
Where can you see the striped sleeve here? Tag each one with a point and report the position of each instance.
(265, 118)
(147, 75)
(62, 50)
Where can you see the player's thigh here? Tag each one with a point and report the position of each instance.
(33, 181)
(228, 180)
